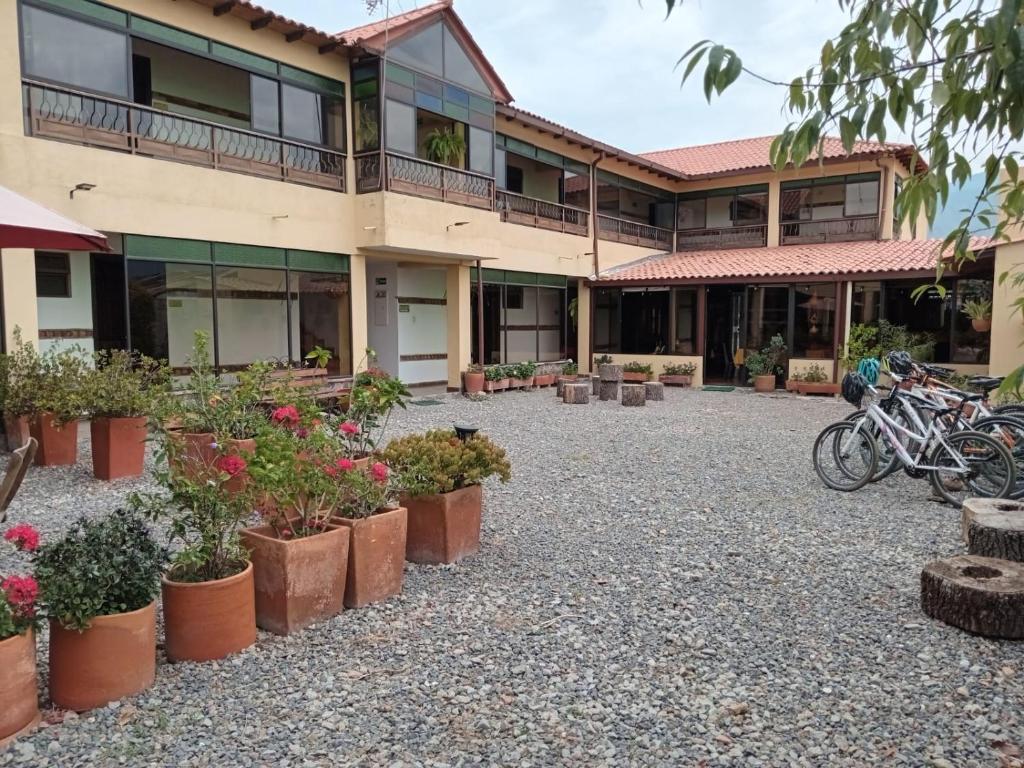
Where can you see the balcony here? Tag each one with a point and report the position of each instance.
(89, 120)
(755, 236)
(829, 230)
(531, 212)
(420, 178)
(634, 233)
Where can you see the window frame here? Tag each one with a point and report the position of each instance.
(64, 272)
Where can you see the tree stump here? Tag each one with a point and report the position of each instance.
(560, 386)
(609, 390)
(995, 528)
(595, 384)
(609, 372)
(634, 394)
(981, 595)
(654, 390)
(576, 393)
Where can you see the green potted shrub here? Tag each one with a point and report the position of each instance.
(637, 372)
(441, 478)
(495, 378)
(22, 367)
(58, 405)
(521, 375)
(445, 146)
(980, 312)
(19, 621)
(238, 415)
(678, 374)
(99, 585)
(816, 381)
(473, 379)
(765, 365)
(120, 393)
(190, 422)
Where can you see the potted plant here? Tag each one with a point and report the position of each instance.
(319, 356)
(816, 381)
(473, 379)
(58, 406)
(495, 378)
(299, 556)
(441, 479)
(375, 395)
(570, 371)
(765, 365)
(445, 146)
(119, 394)
(793, 382)
(209, 599)
(237, 416)
(678, 374)
(22, 367)
(637, 372)
(600, 360)
(376, 554)
(980, 312)
(543, 376)
(99, 585)
(521, 375)
(191, 422)
(18, 623)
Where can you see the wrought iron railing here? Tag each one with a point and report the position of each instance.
(634, 233)
(829, 230)
(368, 178)
(753, 236)
(519, 209)
(413, 176)
(82, 118)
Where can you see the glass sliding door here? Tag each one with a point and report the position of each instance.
(167, 304)
(252, 316)
(320, 304)
(767, 314)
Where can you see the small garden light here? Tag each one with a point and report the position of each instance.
(465, 431)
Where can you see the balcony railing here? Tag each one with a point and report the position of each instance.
(633, 233)
(754, 236)
(421, 178)
(82, 118)
(519, 209)
(829, 230)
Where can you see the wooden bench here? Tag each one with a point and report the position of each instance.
(17, 467)
(313, 382)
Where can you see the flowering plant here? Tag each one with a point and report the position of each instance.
(439, 462)
(18, 593)
(374, 396)
(365, 493)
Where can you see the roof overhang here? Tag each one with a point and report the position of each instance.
(261, 18)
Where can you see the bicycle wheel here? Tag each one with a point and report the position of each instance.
(1016, 410)
(990, 469)
(1010, 432)
(845, 457)
(888, 459)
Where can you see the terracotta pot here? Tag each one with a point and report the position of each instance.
(195, 454)
(118, 446)
(58, 444)
(376, 556)
(209, 620)
(495, 386)
(634, 376)
(792, 385)
(115, 657)
(518, 383)
(20, 711)
(16, 428)
(981, 326)
(817, 388)
(764, 383)
(245, 447)
(473, 382)
(544, 379)
(675, 380)
(298, 581)
(443, 528)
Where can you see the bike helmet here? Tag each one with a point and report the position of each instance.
(869, 368)
(900, 363)
(854, 387)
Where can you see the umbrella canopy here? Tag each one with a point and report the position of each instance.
(24, 224)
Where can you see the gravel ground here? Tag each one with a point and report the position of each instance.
(668, 585)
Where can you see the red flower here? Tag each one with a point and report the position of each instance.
(350, 428)
(345, 465)
(23, 536)
(21, 592)
(379, 472)
(286, 414)
(231, 465)
(286, 533)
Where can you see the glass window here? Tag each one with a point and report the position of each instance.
(928, 316)
(421, 51)
(751, 208)
(576, 190)
(684, 338)
(692, 213)
(168, 303)
(367, 124)
(866, 307)
(400, 125)
(249, 299)
(795, 204)
(481, 148)
(971, 337)
(266, 114)
(314, 117)
(499, 169)
(550, 324)
(321, 316)
(53, 275)
(74, 52)
(814, 321)
(767, 314)
(827, 201)
(720, 211)
(862, 198)
(645, 328)
(607, 325)
(457, 66)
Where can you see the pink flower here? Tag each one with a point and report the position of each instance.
(21, 592)
(286, 414)
(23, 536)
(302, 433)
(345, 465)
(350, 428)
(231, 465)
(379, 472)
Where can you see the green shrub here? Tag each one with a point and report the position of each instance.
(122, 384)
(815, 375)
(637, 367)
(439, 462)
(524, 370)
(680, 369)
(602, 360)
(494, 373)
(570, 369)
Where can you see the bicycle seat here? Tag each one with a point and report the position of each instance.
(937, 370)
(985, 383)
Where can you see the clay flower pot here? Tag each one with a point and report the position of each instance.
(544, 379)
(376, 556)
(17, 430)
(195, 453)
(982, 325)
(634, 376)
(115, 657)
(495, 386)
(675, 380)
(473, 382)
(20, 711)
(515, 383)
(58, 444)
(298, 581)
(209, 620)
(118, 446)
(445, 527)
(764, 383)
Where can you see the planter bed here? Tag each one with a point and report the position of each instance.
(816, 388)
(675, 380)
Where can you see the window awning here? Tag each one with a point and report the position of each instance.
(25, 224)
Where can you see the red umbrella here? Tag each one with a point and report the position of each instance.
(24, 224)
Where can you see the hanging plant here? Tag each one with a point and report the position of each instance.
(446, 147)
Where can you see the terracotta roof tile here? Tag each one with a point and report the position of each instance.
(869, 257)
(750, 154)
(251, 11)
(374, 28)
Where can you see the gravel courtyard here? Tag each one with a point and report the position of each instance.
(668, 585)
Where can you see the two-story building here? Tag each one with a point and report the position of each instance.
(283, 187)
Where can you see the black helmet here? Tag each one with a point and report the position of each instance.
(900, 363)
(854, 387)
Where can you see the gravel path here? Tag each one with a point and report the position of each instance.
(668, 585)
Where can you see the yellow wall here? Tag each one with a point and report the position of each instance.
(800, 366)
(1007, 351)
(658, 363)
(19, 304)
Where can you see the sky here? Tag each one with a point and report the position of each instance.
(606, 68)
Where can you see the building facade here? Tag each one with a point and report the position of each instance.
(284, 188)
